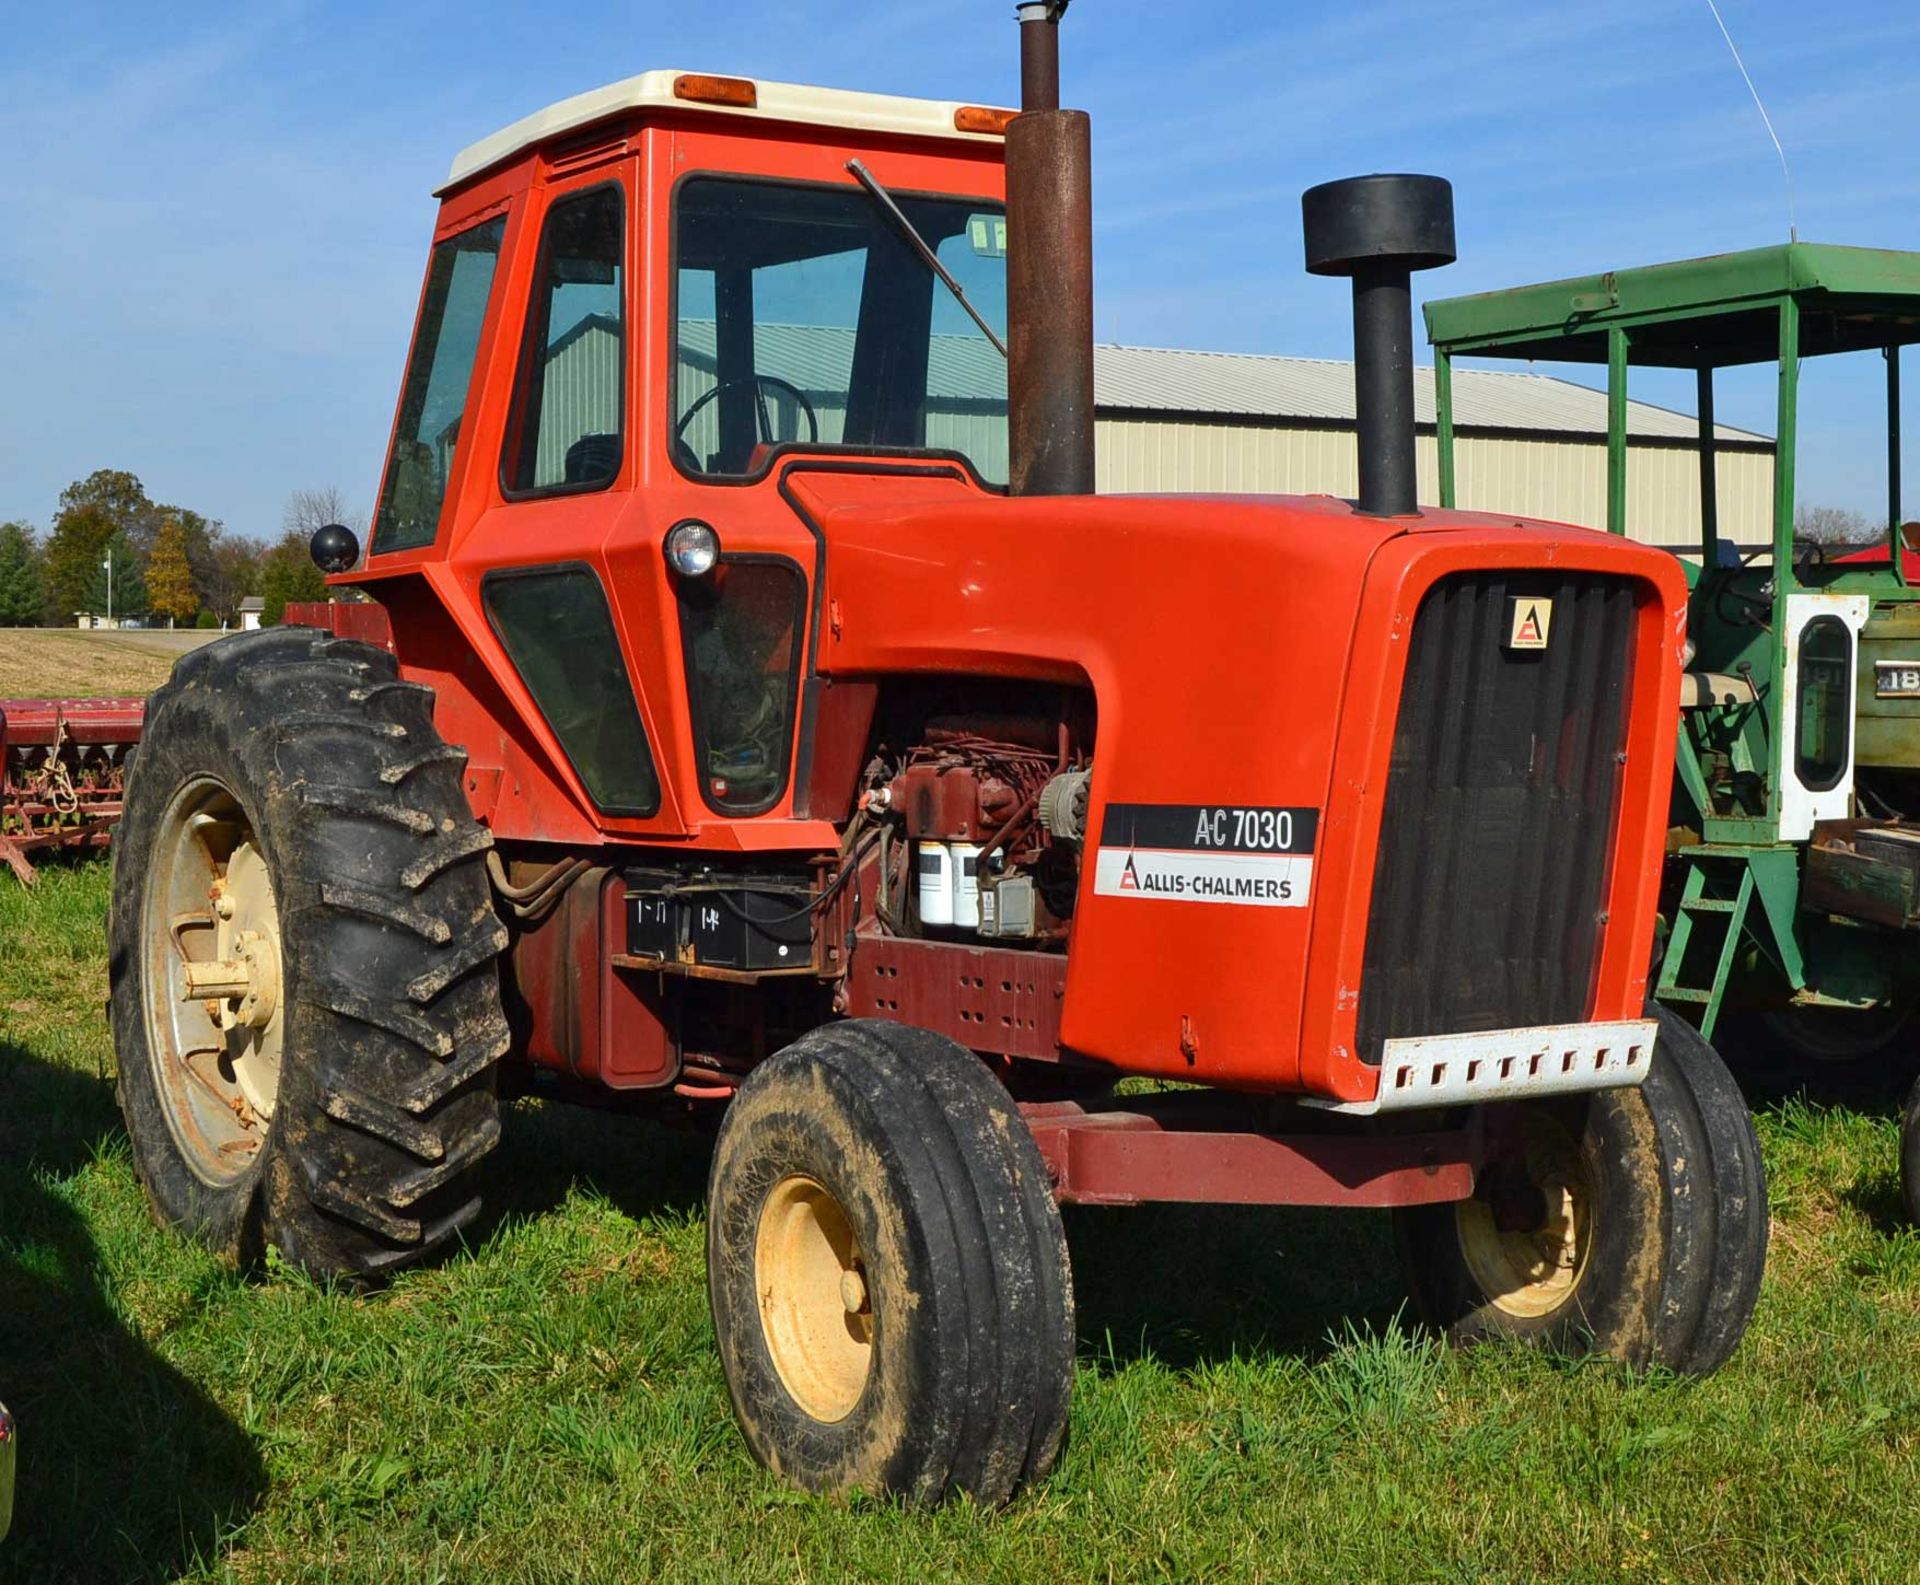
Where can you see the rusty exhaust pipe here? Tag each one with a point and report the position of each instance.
(1379, 230)
(1049, 272)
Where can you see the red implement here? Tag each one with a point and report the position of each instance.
(63, 765)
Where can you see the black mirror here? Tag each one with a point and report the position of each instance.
(334, 548)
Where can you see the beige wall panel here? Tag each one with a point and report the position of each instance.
(1562, 481)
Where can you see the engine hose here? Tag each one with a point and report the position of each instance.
(535, 900)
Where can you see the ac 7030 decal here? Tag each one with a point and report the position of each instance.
(1257, 855)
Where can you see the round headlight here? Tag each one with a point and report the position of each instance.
(692, 549)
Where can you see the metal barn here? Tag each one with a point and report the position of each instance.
(1175, 421)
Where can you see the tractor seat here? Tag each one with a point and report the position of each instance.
(593, 459)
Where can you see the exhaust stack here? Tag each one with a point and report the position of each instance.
(1049, 272)
(1379, 230)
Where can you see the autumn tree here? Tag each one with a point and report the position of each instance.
(170, 586)
(287, 573)
(23, 586)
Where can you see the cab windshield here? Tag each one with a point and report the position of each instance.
(803, 316)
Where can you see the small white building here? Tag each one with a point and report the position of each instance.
(251, 609)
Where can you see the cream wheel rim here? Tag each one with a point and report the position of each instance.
(214, 998)
(1529, 1252)
(816, 1312)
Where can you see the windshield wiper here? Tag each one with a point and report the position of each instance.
(884, 199)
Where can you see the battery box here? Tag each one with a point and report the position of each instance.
(720, 921)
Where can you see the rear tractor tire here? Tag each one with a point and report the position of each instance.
(887, 1271)
(1629, 1222)
(304, 1000)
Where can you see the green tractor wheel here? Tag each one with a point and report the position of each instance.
(1836, 1036)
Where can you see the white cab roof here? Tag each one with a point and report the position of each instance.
(839, 108)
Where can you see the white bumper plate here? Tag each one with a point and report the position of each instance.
(1425, 1071)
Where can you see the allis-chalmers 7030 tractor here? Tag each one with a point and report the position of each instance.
(760, 717)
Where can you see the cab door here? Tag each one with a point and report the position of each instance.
(1817, 710)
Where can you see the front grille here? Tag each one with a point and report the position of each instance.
(1500, 810)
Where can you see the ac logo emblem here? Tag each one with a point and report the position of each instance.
(1528, 621)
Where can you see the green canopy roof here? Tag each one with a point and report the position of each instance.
(1709, 312)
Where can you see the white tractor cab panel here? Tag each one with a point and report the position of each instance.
(1816, 710)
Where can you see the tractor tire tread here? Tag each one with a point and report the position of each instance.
(481, 944)
(387, 1112)
(994, 1368)
(436, 754)
(403, 915)
(370, 1115)
(368, 805)
(445, 851)
(1735, 1185)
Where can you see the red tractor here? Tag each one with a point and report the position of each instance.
(761, 717)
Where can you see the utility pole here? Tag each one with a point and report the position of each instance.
(108, 564)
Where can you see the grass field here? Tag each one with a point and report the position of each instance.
(546, 1406)
(66, 663)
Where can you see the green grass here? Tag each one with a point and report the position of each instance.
(547, 1406)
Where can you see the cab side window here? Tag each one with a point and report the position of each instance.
(434, 396)
(556, 628)
(566, 428)
(1825, 687)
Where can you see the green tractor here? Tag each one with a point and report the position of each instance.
(1792, 893)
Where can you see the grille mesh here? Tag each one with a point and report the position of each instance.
(1500, 811)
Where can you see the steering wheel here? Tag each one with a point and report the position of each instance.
(763, 420)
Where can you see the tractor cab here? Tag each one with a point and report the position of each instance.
(1796, 783)
(694, 287)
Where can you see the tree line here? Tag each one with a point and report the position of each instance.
(168, 563)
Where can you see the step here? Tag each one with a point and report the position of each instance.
(1677, 993)
(1709, 905)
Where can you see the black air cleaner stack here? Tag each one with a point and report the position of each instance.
(1049, 272)
(1379, 230)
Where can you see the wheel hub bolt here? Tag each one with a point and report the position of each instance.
(853, 1292)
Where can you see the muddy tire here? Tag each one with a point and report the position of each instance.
(296, 838)
(1630, 1222)
(887, 1271)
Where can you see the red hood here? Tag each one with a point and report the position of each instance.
(1876, 555)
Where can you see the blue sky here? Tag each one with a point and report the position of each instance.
(213, 219)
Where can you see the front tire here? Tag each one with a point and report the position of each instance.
(887, 1271)
(305, 1008)
(1628, 1222)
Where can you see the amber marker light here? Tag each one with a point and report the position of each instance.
(736, 91)
(983, 118)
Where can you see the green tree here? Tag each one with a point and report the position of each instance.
(74, 552)
(23, 586)
(170, 590)
(129, 583)
(287, 573)
(120, 499)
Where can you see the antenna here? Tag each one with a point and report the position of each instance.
(1793, 231)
